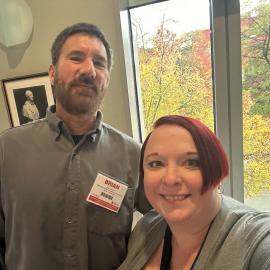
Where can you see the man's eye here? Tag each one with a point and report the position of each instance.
(100, 64)
(75, 58)
(194, 163)
(155, 164)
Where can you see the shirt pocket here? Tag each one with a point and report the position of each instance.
(105, 222)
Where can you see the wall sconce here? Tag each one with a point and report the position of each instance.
(16, 22)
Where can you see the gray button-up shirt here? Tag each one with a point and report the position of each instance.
(45, 220)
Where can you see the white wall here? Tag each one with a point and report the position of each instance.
(50, 17)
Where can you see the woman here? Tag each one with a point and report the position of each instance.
(193, 226)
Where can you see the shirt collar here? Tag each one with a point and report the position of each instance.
(58, 125)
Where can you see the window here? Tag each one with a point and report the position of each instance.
(233, 115)
(255, 39)
(174, 55)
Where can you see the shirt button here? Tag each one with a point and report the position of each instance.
(73, 156)
(71, 186)
(68, 220)
(68, 253)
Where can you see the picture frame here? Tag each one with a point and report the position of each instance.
(27, 97)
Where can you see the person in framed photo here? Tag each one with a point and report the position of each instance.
(30, 110)
(69, 182)
(31, 104)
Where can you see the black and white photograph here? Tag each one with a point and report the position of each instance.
(28, 97)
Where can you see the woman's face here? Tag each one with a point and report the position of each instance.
(172, 176)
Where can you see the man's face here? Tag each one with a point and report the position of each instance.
(81, 76)
(29, 95)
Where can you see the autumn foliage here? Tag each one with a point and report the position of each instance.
(176, 78)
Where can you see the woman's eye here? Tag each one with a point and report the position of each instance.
(155, 164)
(194, 163)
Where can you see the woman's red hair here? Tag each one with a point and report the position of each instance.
(213, 160)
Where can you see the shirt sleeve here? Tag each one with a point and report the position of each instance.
(2, 223)
(2, 244)
(261, 256)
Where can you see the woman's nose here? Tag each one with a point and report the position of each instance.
(171, 175)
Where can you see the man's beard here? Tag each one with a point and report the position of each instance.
(69, 97)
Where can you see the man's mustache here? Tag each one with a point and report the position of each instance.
(84, 80)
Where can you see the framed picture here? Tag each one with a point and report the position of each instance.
(27, 97)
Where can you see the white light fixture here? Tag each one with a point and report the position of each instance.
(16, 22)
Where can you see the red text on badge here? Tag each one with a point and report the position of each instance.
(111, 184)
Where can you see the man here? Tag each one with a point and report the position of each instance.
(68, 181)
(30, 110)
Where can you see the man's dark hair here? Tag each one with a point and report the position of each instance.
(90, 29)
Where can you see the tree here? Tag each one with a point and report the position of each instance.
(256, 150)
(173, 81)
(256, 56)
(255, 38)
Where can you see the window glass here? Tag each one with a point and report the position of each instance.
(172, 41)
(255, 41)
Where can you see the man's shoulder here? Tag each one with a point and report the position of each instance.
(118, 135)
(22, 130)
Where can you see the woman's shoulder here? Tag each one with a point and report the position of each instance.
(144, 240)
(239, 233)
(245, 231)
(150, 219)
(252, 216)
(150, 225)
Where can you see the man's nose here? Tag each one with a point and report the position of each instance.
(88, 68)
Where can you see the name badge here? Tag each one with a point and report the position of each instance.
(107, 193)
